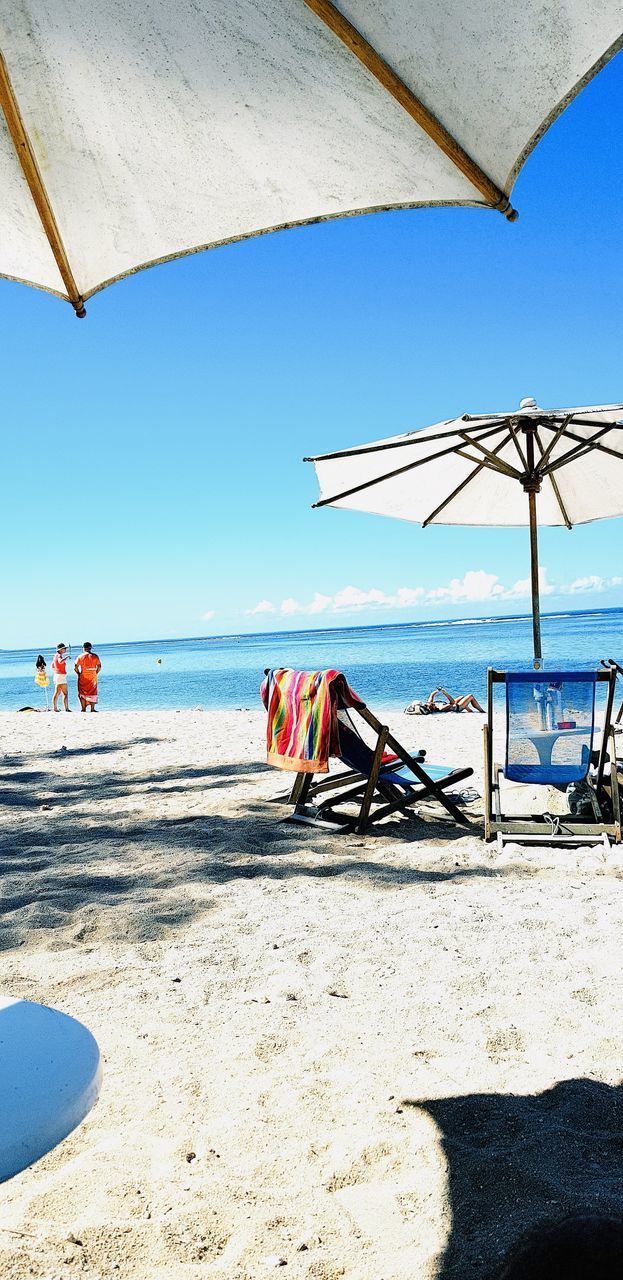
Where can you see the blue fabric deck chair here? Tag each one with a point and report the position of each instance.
(550, 730)
(375, 781)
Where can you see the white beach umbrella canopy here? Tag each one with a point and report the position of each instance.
(131, 133)
(529, 466)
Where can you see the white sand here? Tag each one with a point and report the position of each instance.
(286, 1016)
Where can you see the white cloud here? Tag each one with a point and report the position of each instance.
(355, 598)
(522, 589)
(408, 596)
(264, 606)
(208, 615)
(292, 606)
(593, 582)
(319, 603)
(477, 586)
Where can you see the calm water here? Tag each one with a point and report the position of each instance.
(388, 666)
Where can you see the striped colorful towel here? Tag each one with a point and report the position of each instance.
(302, 707)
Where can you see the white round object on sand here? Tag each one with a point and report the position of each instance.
(50, 1077)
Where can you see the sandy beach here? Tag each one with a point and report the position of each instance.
(378, 1058)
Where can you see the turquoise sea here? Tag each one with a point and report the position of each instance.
(387, 665)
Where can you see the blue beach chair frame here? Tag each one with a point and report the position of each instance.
(538, 732)
(377, 785)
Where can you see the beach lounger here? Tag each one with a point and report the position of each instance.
(617, 757)
(549, 730)
(375, 781)
(611, 665)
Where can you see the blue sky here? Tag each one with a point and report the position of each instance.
(154, 483)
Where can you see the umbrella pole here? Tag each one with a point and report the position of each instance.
(534, 573)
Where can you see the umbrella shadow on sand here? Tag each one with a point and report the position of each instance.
(514, 1161)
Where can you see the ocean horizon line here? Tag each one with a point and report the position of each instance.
(483, 620)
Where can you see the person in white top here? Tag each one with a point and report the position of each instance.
(59, 672)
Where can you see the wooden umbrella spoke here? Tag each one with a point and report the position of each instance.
(515, 438)
(480, 466)
(577, 419)
(599, 448)
(497, 463)
(486, 463)
(580, 449)
(546, 453)
(402, 94)
(403, 442)
(30, 169)
(391, 475)
(557, 493)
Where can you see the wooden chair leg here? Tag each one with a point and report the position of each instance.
(433, 789)
(368, 796)
(300, 789)
(485, 729)
(614, 788)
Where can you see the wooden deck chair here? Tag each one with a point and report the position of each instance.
(549, 730)
(376, 782)
(609, 665)
(616, 759)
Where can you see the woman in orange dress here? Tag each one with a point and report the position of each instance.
(87, 668)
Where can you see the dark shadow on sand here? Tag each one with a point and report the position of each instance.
(63, 854)
(514, 1161)
(96, 749)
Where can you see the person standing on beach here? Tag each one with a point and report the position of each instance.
(87, 668)
(41, 679)
(59, 670)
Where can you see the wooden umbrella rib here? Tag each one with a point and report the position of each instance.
(32, 174)
(583, 447)
(389, 475)
(560, 431)
(486, 417)
(403, 442)
(515, 438)
(484, 462)
(480, 466)
(392, 83)
(497, 463)
(600, 448)
(557, 494)
(558, 497)
(578, 420)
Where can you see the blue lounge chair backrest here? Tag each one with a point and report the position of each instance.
(353, 750)
(550, 721)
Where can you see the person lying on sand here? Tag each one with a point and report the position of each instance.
(465, 702)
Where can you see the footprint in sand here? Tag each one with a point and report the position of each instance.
(267, 1047)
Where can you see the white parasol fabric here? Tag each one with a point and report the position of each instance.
(557, 466)
(436, 476)
(132, 133)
